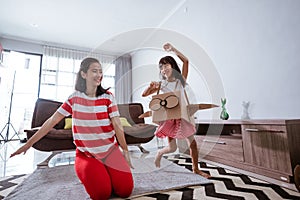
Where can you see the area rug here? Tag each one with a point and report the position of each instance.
(225, 184)
(61, 182)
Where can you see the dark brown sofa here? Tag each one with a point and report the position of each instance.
(59, 139)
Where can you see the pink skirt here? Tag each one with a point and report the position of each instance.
(175, 128)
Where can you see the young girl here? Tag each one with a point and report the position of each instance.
(99, 163)
(174, 80)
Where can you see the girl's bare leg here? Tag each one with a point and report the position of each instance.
(168, 149)
(194, 154)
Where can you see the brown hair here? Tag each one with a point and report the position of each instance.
(177, 73)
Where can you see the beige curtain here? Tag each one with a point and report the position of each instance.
(123, 79)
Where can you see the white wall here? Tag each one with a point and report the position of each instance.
(22, 46)
(205, 85)
(255, 48)
(143, 72)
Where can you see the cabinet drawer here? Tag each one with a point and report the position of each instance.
(267, 146)
(225, 147)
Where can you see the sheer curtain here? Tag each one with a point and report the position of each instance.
(123, 79)
(59, 69)
(76, 54)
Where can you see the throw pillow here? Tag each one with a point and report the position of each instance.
(124, 121)
(68, 123)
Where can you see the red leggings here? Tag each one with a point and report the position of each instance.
(104, 177)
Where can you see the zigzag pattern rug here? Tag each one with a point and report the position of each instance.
(225, 185)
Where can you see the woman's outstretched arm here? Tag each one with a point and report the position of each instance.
(45, 128)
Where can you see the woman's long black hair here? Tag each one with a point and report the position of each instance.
(177, 73)
(80, 84)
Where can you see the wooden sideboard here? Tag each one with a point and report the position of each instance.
(266, 147)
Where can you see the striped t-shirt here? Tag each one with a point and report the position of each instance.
(93, 131)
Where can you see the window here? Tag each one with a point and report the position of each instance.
(19, 82)
(59, 75)
(109, 71)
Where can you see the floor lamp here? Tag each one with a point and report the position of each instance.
(5, 137)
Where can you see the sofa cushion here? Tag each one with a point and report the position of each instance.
(124, 122)
(131, 112)
(68, 123)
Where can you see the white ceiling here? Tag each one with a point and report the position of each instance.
(87, 24)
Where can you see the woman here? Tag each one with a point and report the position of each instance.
(99, 164)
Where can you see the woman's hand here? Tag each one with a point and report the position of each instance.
(22, 149)
(127, 157)
(45, 128)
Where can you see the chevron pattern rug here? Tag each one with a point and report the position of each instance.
(225, 185)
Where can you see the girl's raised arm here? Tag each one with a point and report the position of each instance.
(183, 58)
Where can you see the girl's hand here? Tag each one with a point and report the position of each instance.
(154, 85)
(127, 157)
(168, 47)
(22, 149)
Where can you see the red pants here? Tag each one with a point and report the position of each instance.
(101, 178)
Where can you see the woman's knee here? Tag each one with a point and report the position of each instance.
(124, 191)
(98, 187)
(95, 178)
(120, 174)
(122, 188)
(100, 194)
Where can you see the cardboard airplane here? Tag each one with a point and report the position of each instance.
(192, 109)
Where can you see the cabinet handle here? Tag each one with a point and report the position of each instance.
(214, 141)
(259, 130)
(252, 129)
